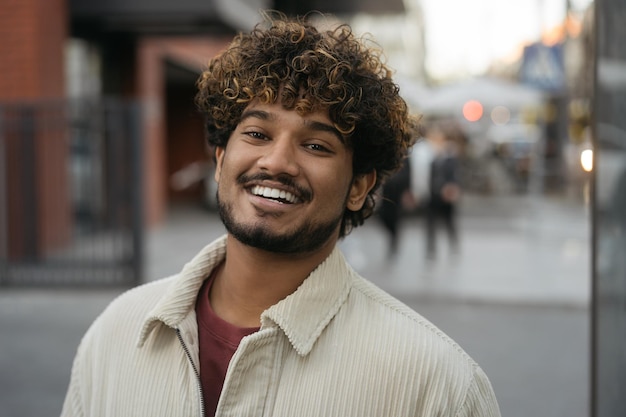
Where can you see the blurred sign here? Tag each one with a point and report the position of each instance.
(543, 67)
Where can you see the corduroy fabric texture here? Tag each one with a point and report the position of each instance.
(338, 346)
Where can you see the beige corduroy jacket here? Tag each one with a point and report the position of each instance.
(338, 346)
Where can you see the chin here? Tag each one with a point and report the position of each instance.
(308, 237)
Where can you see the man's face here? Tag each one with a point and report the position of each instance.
(285, 180)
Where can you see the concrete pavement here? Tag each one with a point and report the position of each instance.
(519, 250)
(514, 249)
(515, 297)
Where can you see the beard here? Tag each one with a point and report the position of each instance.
(305, 239)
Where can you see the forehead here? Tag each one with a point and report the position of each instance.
(279, 107)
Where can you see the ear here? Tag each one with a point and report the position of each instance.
(361, 186)
(219, 158)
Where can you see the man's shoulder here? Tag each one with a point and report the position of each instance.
(378, 301)
(129, 309)
(388, 317)
(141, 297)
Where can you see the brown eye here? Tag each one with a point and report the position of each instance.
(256, 135)
(317, 147)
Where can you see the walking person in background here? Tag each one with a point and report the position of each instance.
(396, 197)
(270, 319)
(444, 187)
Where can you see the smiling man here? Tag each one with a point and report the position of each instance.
(270, 320)
(293, 183)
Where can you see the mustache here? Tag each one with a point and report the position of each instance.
(283, 179)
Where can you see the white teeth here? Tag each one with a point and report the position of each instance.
(273, 193)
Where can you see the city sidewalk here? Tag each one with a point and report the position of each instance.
(507, 298)
(516, 296)
(513, 249)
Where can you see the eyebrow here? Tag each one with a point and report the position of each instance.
(311, 124)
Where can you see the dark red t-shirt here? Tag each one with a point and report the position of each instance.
(218, 341)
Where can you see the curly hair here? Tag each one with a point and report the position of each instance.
(306, 70)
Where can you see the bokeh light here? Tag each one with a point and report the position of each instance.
(472, 110)
(500, 115)
(586, 160)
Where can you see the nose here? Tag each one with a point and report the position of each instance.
(280, 157)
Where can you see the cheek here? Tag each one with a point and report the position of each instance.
(334, 187)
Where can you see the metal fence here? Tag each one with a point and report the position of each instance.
(70, 194)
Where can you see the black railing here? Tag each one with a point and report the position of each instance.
(70, 193)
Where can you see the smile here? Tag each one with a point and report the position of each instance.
(274, 193)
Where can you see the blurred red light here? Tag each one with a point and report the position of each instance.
(473, 110)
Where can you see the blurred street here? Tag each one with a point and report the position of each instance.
(515, 296)
(512, 250)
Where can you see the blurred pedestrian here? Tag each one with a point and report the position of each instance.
(396, 197)
(444, 187)
(270, 319)
(421, 157)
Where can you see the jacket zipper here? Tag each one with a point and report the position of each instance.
(195, 371)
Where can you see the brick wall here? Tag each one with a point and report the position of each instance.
(152, 52)
(35, 192)
(33, 33)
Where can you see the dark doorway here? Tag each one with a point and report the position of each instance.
(188, 163)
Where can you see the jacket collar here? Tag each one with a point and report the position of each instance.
(305, 313)
(302, 315)
(180, 296)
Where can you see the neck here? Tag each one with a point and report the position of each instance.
(251, 280)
